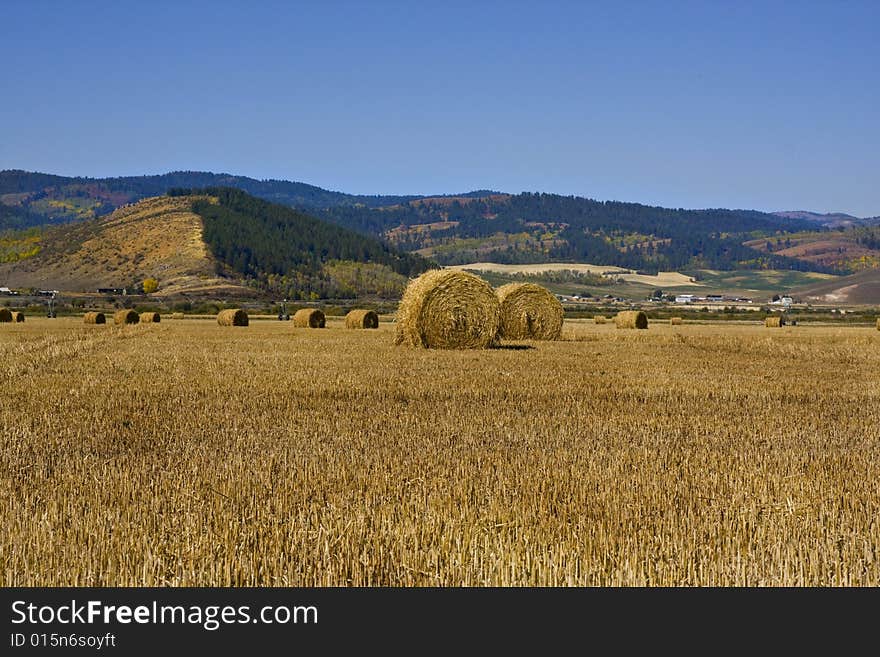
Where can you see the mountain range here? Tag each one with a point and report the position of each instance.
(404, 234)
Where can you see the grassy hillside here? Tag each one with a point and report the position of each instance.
(219, 242)
(860, 288)
(157, 238)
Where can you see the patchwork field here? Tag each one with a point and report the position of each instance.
(184, 453)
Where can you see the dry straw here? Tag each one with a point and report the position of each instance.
(17, 316)
(232, 317)
(126, 316)
(177, 315)
(598, 319)
(150, 318)
(362, 319)
(308, 318)
(878, 324)
(446, 309)
(631, 319)
(5, 315)
(774, 322)
(676, 321)
(94, 318)
(529, 312)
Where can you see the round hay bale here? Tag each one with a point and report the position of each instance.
(774, 322)
(631, 319)
(878, 324)
(529, 312)
(362, 319)
(150, 318)
(177, 315)
(308, 318)
(232, 317)
(447, 309)
(599, 319)
(17, 316)
(126, 316)
(676, 321)
(5, 315)
(94, 318)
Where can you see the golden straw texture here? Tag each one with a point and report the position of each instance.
(446, 309)
(232, 317)
(529, 312)
(308, 318)
(362, 319)
(126, 316)
(631, 319)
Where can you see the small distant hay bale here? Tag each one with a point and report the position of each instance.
(150, 318)
(362, 319)
(126, 316)
(5, 315)
(599, 319)
(448, 309)
(631, 319)
(177, 315)
(774, 322)
(529, 312)
(94, 318)
(308, 318)
(232, 317)
(878, 324)
(676, 321)
(17, 316)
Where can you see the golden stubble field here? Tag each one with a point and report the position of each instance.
(185, 453)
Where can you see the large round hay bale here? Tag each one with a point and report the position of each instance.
(676, 321)
(362, 319)
(774, 322)
(598, 319)
(631, 319)
(94, 318)
(17, 316)
(447, 309)
(126, 316)
(308, 318)
(5, 315)
(150, 318)
(529, 312)
(232, 317)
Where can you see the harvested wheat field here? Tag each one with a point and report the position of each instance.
(737, 456)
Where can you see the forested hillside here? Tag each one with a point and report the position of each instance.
(548, 227)
(476, 226)
(294, 254)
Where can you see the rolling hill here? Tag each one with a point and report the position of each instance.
(47, 198)
(485, 225)
(862, 288)
(218, 241)
(156, 238)
(830, 220)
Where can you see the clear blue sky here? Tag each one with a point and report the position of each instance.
(771, 106)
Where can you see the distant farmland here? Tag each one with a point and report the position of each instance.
(185, 453)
